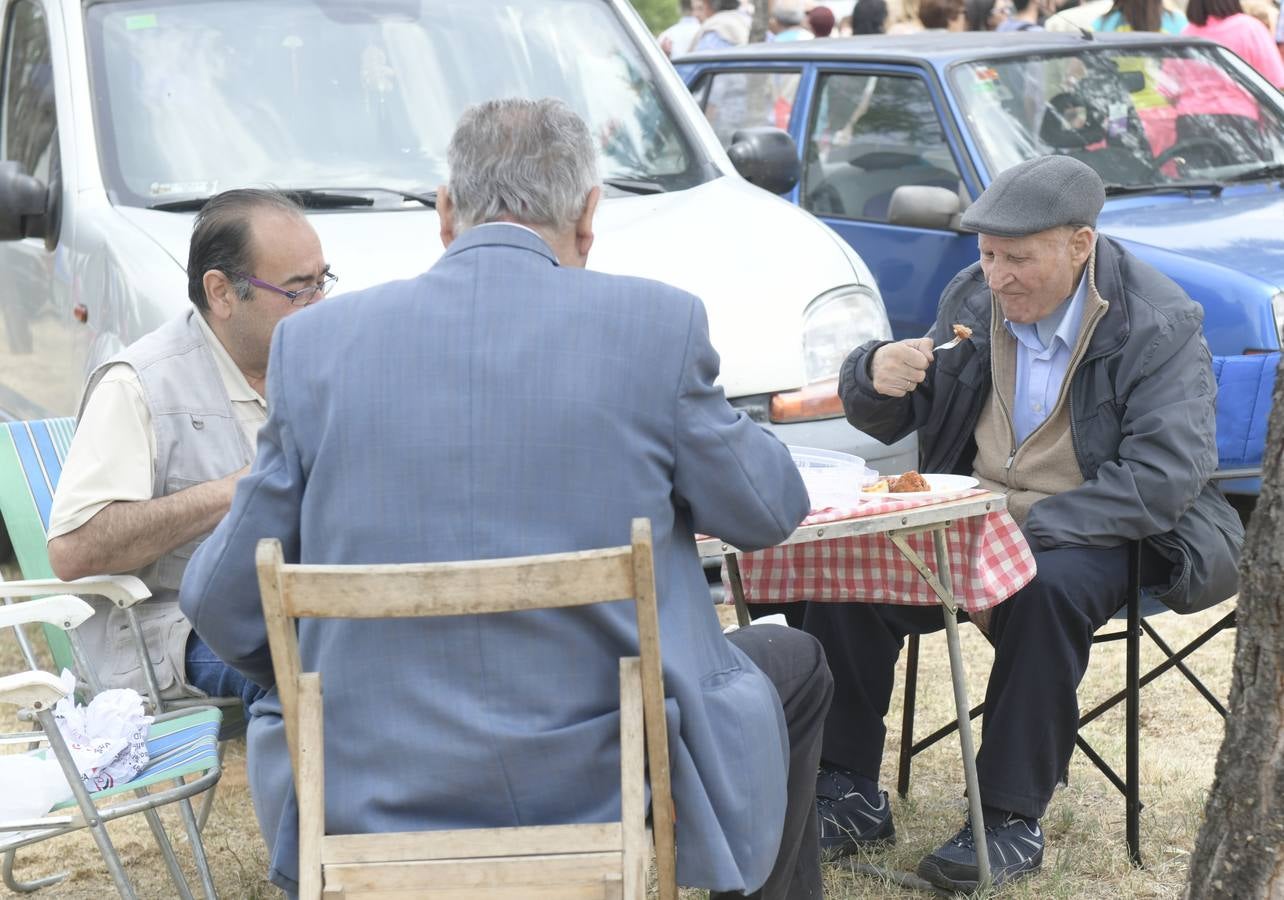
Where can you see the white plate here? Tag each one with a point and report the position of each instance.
(940, 484)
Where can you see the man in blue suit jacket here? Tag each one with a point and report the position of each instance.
(509, 402)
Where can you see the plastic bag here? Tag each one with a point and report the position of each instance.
(31, 784)
(107, 738)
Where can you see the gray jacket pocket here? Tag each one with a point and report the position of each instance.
(165, 631)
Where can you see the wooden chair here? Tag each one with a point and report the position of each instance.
(553, 861)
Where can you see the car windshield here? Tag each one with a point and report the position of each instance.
(196, 97)
(1143, 117)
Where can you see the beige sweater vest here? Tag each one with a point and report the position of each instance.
(1045, 464)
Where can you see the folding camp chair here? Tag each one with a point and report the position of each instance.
(179, 745)
(1245, 386)
(551, 861)
(31, 458)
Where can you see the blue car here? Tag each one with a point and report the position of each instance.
(892, 137)
(896, 135)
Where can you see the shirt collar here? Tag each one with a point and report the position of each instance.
(238, 389)
(513, 225)
(1067, 328)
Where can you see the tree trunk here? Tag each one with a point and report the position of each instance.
(1240, 851)
(761, 13)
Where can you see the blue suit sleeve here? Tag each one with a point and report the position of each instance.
(220, 590)
(736, 478)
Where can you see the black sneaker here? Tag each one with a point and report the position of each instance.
(849, 821)
(1015, 848)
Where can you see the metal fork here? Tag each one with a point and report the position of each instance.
(948, 345)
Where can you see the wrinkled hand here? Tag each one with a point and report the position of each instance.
(899, 368)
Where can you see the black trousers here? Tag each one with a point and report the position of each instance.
(795, 664)
(1042, 636)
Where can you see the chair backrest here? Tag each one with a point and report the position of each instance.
(551, 581)
(31, 457)
(1245, 386)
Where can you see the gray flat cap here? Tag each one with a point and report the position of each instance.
(1036, 195)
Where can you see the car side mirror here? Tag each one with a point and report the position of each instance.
(924, 206)
(766, 157)
(22, 203)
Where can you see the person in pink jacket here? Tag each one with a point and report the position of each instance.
(1225, 22)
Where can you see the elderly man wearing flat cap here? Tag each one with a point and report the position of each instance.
(1086, 396)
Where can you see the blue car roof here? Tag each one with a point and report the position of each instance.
(938, 48)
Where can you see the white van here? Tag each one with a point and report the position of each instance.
(118, 118)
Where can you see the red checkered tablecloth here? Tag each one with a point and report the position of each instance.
(989, 561)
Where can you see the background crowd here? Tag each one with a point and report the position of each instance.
(1250, 28)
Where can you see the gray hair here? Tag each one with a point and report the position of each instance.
(533, 160)
(788, 12)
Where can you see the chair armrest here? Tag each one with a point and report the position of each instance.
(62, 611)
(37, 690)
(122, 590)
(1228, 474)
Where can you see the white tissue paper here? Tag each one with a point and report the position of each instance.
(107, 738)
(773, 619)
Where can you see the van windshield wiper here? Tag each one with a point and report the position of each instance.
(427, 198)
(312, 198)
(634, 185)
(1260, 173)
(1167, 187)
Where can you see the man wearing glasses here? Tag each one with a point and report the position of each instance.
(166, 429)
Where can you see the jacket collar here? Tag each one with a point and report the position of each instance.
(501, 234)
(1107, 280)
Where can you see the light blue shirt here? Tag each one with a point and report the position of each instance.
(1043, 356)
(711, 40)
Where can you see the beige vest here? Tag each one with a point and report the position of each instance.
(198, 439)
(1045, 464)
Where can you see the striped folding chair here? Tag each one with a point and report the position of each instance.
(183, 762)
(31, 457)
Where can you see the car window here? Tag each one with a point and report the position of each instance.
(871, 134)
(28, 120)
(1141, 116)
(735, 100)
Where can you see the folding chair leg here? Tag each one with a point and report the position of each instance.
(1184, 669)
(198, 849)
(167, 851)
(207, 801)
(1133, 708)
(907, 718)
(86, 804)
(26, 887)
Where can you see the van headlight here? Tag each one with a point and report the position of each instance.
(1277, 307)
(836, 323)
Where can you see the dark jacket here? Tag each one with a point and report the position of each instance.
(1142, 421)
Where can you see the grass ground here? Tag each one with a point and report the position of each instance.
(1085, 856)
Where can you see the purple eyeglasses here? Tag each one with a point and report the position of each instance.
(301, 297)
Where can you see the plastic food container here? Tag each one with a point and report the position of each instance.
(834, 480)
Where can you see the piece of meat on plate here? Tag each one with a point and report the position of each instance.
(909, 482)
